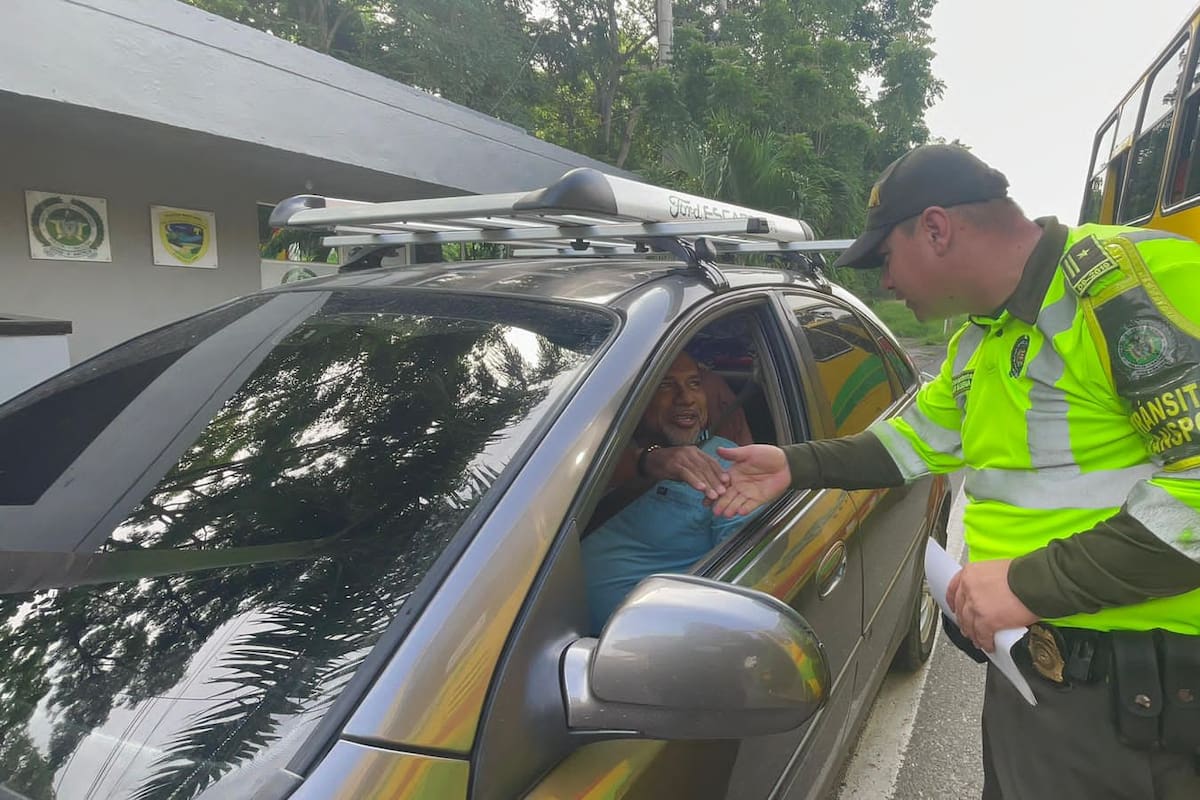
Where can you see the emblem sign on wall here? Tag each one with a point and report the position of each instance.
(183, 238)
(67, 226)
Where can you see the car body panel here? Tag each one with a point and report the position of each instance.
(353, 770)
(463, 700)
(433, 689)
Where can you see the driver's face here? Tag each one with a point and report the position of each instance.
(678, 412)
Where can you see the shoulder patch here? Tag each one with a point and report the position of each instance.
(1145, 346)
(1084, 263)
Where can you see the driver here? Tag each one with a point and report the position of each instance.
(668, 527)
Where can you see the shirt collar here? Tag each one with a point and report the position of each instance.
(1026, 301)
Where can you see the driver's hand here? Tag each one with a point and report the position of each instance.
(688, 464)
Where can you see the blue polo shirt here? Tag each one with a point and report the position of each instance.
(667, 529)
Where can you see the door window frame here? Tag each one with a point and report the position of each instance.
(777, 366)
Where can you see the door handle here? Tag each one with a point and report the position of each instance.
(831, 570)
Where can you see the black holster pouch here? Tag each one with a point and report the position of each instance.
(1138, 697)
(962, 642)
(1181, 689)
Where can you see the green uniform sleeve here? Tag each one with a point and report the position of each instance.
(1151, 334)
(1119, 562)
(850, 462)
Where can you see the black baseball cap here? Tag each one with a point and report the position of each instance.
(930, 175)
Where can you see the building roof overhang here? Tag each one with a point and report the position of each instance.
(172, 64)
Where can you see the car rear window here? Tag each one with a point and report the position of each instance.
(224, 606)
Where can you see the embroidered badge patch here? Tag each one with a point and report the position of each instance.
(962, 384)
(1017, 358)
(1143, 347)
(1085, 263)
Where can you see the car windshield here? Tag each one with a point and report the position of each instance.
(213, 524)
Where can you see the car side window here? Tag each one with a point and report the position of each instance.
(902, 371)
(714, 392)
(848, 363)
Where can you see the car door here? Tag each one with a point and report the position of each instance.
(811, 558)
(798, 550)
(857, 386)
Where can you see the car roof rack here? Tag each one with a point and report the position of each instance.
(584, 211)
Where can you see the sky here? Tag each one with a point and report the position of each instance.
(1028, 83)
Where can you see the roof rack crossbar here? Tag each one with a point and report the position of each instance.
(815, 246)
(350, 212)
(629, 230)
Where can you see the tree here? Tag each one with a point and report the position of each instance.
(591, 50)
(333, 27)
(478, 53)
(764, 103)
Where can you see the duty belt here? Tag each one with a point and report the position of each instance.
(1068, 655)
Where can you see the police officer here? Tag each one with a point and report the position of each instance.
(1071, 398)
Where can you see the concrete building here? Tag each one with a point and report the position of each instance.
(147, 103)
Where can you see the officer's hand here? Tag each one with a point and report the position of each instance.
(979, 596)
(759, 473)
(689, 464)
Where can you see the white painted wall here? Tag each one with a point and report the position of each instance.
(28, 360)
(108, 302)
(134, 164)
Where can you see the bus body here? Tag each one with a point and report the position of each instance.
(1145, 167)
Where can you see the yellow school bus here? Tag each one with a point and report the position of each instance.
(1145, 167)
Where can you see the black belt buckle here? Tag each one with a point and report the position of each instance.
(1046, 652)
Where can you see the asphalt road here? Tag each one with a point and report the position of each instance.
(921, 741)
(922, 738)
(928, 356)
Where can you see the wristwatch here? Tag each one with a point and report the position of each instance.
(641, 462)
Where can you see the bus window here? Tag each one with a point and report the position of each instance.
(1150, 146)
(1127, 117)
(1094, 198)
(1185, 175)
(1118, 156)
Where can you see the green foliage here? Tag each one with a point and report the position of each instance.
(906, 326)
(473, 52)
(336, 27)
(763, 102)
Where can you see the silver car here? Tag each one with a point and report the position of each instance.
(324, 542)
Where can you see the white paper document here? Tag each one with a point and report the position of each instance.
(939, 569)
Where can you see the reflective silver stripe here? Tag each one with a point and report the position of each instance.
(1052, 488)
(1185, 474)
(1172, 521)
(1046, 429)
(1146, 235)
(907, 459)
(968, 343)
(936, 437)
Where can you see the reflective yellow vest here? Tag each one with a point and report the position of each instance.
(1095, 406)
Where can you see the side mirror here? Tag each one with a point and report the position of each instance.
(691, 658)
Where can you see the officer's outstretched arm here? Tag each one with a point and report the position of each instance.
(758, 473)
